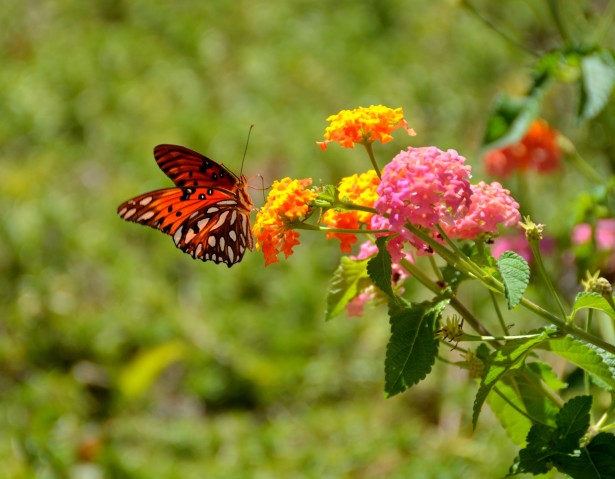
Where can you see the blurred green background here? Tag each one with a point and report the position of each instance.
(122, 357)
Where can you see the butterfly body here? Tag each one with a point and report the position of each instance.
(207, 213)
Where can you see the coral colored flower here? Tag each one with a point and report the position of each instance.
(287, 201)
(423, 186)
(537, 151)
(364, 125)
(359, 190)
(357, 305)
(491, 206)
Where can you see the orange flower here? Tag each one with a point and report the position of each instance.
(357, 189)
(537, 151)
(364, 125)
(287, 201)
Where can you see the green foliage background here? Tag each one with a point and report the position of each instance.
(120, 356)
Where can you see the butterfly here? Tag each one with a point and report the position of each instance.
(207, 213)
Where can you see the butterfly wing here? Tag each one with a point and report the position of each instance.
(188, 168)
(206, 223)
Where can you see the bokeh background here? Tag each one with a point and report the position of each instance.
(122, 357)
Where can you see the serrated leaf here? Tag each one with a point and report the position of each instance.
(349, 279)
(412, 349)
(572, 423)
(380, 268)
(598, 363)
(139, 374)
(592, 301)
(545, 372)
(515, 274)
(509, 357)
(596, 461)
(598, 78)
(548, 447)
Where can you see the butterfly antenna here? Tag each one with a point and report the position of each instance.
(245, 151)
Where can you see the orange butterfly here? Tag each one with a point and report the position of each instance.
(207, 214)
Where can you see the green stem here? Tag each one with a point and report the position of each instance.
(498, 312)
(469, 337)
(581, 164)
(372, 158)
(535, 247)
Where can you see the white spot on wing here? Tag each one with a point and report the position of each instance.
(122, 211)
(146, 216)
(189, 235)
(222, 242)
(198, 250)
(130, 212)
(201, 224)
(232, 235)
(220, 221)
(231, 254)
(212, 210)
(227, 203)
(146, 201)
(233, 217)
(178, 235)
(211, 241)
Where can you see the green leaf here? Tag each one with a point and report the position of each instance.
(413, 347)
(592, 301)
(597, 362)
(596, 460)
(515, 274)
(349, 279)
(379, 268)
(139, 374)
(529, 385)
(572, 422)
(598, 70)
(509, 357)
(515, 425)
(560, 446)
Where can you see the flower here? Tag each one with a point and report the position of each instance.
(359, 190)
(364, 125)
(287, 201)
(423, 186)
(491, 205)
(600, 239)
(537, 151)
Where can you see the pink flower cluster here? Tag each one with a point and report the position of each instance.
(491, 205)
(428, 187)
(603, 235)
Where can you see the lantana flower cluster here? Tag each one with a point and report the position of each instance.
(358, 190)
(422, 195)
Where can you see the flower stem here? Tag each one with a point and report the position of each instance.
(535, 247)
(372, 158)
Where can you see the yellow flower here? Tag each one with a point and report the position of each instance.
(288, 200)
(359, 190)
(364, 125)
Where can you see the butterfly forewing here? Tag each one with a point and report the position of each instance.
(188, 168)
(209, 218)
